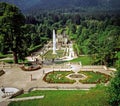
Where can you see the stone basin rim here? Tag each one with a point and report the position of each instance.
(82, 76)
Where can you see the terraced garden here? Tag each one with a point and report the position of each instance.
(91, 77)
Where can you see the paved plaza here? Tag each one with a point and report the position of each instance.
(33, 80)
(15, 77)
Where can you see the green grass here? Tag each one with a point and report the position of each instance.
(2, 56)
(58, 77)
(85, 60)
(94, 97)
(49, 54)
(7, 61)
(94, 77)
(35, 48)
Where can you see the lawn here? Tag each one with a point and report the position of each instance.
(7, 61)
(49, 54)
(58, 77)
(85, 60)
(94, 77)
(5, 56)
(94, 97)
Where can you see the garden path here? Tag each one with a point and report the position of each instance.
(15, 77)
(26, 98)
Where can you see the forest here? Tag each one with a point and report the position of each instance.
(36, 6)
(97, 35)
(94, 34)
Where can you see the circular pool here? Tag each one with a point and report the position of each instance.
(76, 76)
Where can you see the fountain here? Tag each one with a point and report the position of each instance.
(71, 51)
(54, 42)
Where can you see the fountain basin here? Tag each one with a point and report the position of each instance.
(76, 76)
(30, 68)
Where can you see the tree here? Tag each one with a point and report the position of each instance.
(11, 21)
(114, 86)
(79, 30)
(73, 28)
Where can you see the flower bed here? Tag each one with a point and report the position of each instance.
(94, 77)
(58, 77)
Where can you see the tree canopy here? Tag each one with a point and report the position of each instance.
(114, 86)
(11, 33)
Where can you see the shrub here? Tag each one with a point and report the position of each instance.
(114, 90)
(2, 72)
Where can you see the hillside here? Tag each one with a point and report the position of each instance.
(33, 5)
